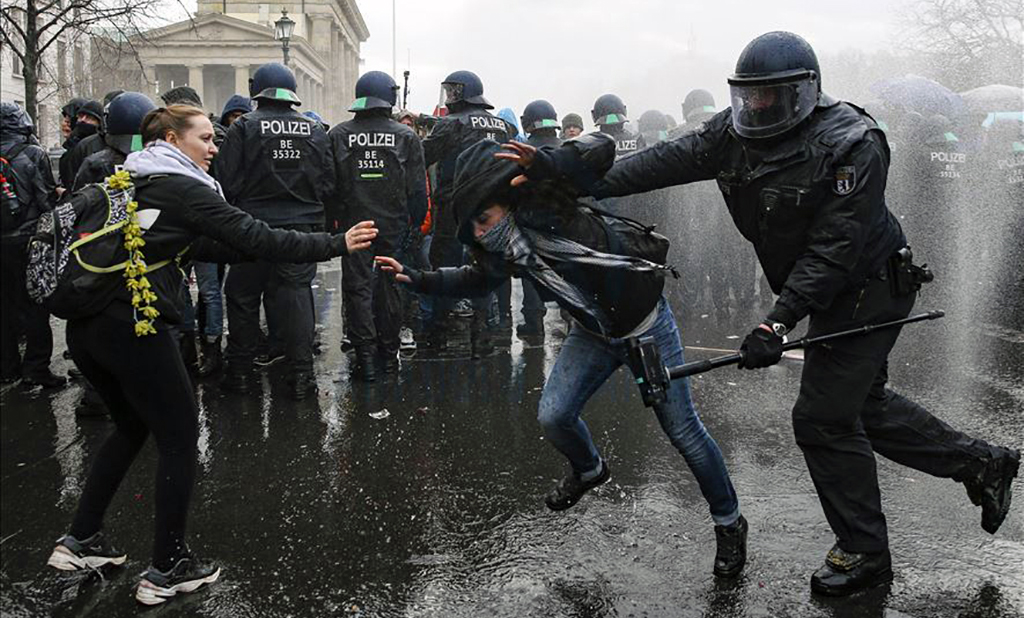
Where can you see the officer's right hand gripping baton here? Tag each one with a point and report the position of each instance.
(653, 377)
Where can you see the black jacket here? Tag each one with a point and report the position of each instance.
(98, 166)
(76, 157)
(33, 177)
(69, 161)
(379, 167)
(277, 165)
(193, 216)
(452, 135)
(626, 143)
(626, 297)
(540, 139)
(812, 202)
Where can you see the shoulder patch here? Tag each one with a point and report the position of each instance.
(846, 180)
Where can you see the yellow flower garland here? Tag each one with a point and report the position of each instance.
(135, 268)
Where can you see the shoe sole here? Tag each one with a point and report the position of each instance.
(63, 559)
(879, 580)
(268, 362)
(149, 593)
(1008, 474)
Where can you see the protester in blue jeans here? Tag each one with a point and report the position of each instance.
(595, 271)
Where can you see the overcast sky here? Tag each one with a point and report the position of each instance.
(649, 52)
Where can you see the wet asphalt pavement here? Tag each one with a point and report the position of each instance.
(319, 509)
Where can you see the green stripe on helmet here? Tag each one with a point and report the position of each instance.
(1018, 147)
(136, 143)
(359, 103)
(547, 122)
(708, 108)
(950, 137)
(286, 95)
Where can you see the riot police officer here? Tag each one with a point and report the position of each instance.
(653, 126)
(609, 114)
(275, 164)
(122, 136)
(803, 176)
(540, 122)
(380, 175)
(467, 122)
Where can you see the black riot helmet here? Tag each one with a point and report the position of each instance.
(464, 87)
(776, 85)
(698, 106)
(124, 121)
(653, 126)
(539, 115)
(608, 110)
(274, 82)
(375, 90)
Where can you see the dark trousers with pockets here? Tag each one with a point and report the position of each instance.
(845, 414)
(373, 308)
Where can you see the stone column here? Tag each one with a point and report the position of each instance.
(242, 79)
(195, 79)
(150, 86)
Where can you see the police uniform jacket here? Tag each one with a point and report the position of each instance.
(450, 137)
(812, 201)
(277, 165)
(380, 176)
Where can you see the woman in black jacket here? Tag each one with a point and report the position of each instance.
(539, 232)
(129, 354)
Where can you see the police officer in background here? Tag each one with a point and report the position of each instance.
(380, 175)
(804, 177)
(467, 122)
(609, 114)
(277, 165)
(572, 126)
(540, 122)
(123, 136)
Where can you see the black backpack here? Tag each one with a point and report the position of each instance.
(77, 254)
(12, 212)
(630, 237)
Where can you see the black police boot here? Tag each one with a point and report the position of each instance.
(481, 339)
(992, 488)
(364, 369)
(570, 489)
(300, 384)
(388, 361)
(189, 351)
(732, 549)
(845, 573)
(212, 355)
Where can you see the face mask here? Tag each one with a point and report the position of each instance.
(496, 240)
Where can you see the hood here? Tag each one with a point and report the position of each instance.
(15, 120)
(509, 116)
(237, 103)
(159, 157)
(479, 178)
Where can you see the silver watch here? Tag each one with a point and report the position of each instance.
(778, 328)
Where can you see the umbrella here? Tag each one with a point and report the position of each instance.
(994, 98)
(919, 94)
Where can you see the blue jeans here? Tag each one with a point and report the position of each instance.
(585, 363)
(209, 290)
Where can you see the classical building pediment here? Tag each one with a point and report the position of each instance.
(210, 28)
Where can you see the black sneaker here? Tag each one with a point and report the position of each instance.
(992, 488)
(732, 549)
(70, 554)
(45, 379)
(845, 573)
(570, 489)
(268, 359)
(188, 573)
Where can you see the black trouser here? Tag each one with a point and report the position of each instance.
(533, 307)
(845, 413)
(373, 308)
(445, 252)
(289, 310)
(146, 387)
(19, 315)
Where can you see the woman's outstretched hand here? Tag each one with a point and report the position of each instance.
(359, 236)
(391, 265)
(522, 154)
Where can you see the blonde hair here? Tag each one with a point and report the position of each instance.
(160, 121)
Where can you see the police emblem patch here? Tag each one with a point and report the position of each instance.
(846, 180)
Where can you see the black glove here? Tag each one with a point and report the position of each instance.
(415, 276)
(761, 348)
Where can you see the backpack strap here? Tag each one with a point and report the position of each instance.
(13, 153)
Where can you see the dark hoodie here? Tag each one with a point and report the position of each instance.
(237, 103)
(33, 178)
(626, 297)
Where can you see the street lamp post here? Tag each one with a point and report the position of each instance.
(283, 32)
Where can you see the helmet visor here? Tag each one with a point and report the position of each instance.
(452, 92)
(765, 110)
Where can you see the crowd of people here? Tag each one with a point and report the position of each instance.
(434, 214)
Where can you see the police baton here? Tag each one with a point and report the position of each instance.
(653, 377)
